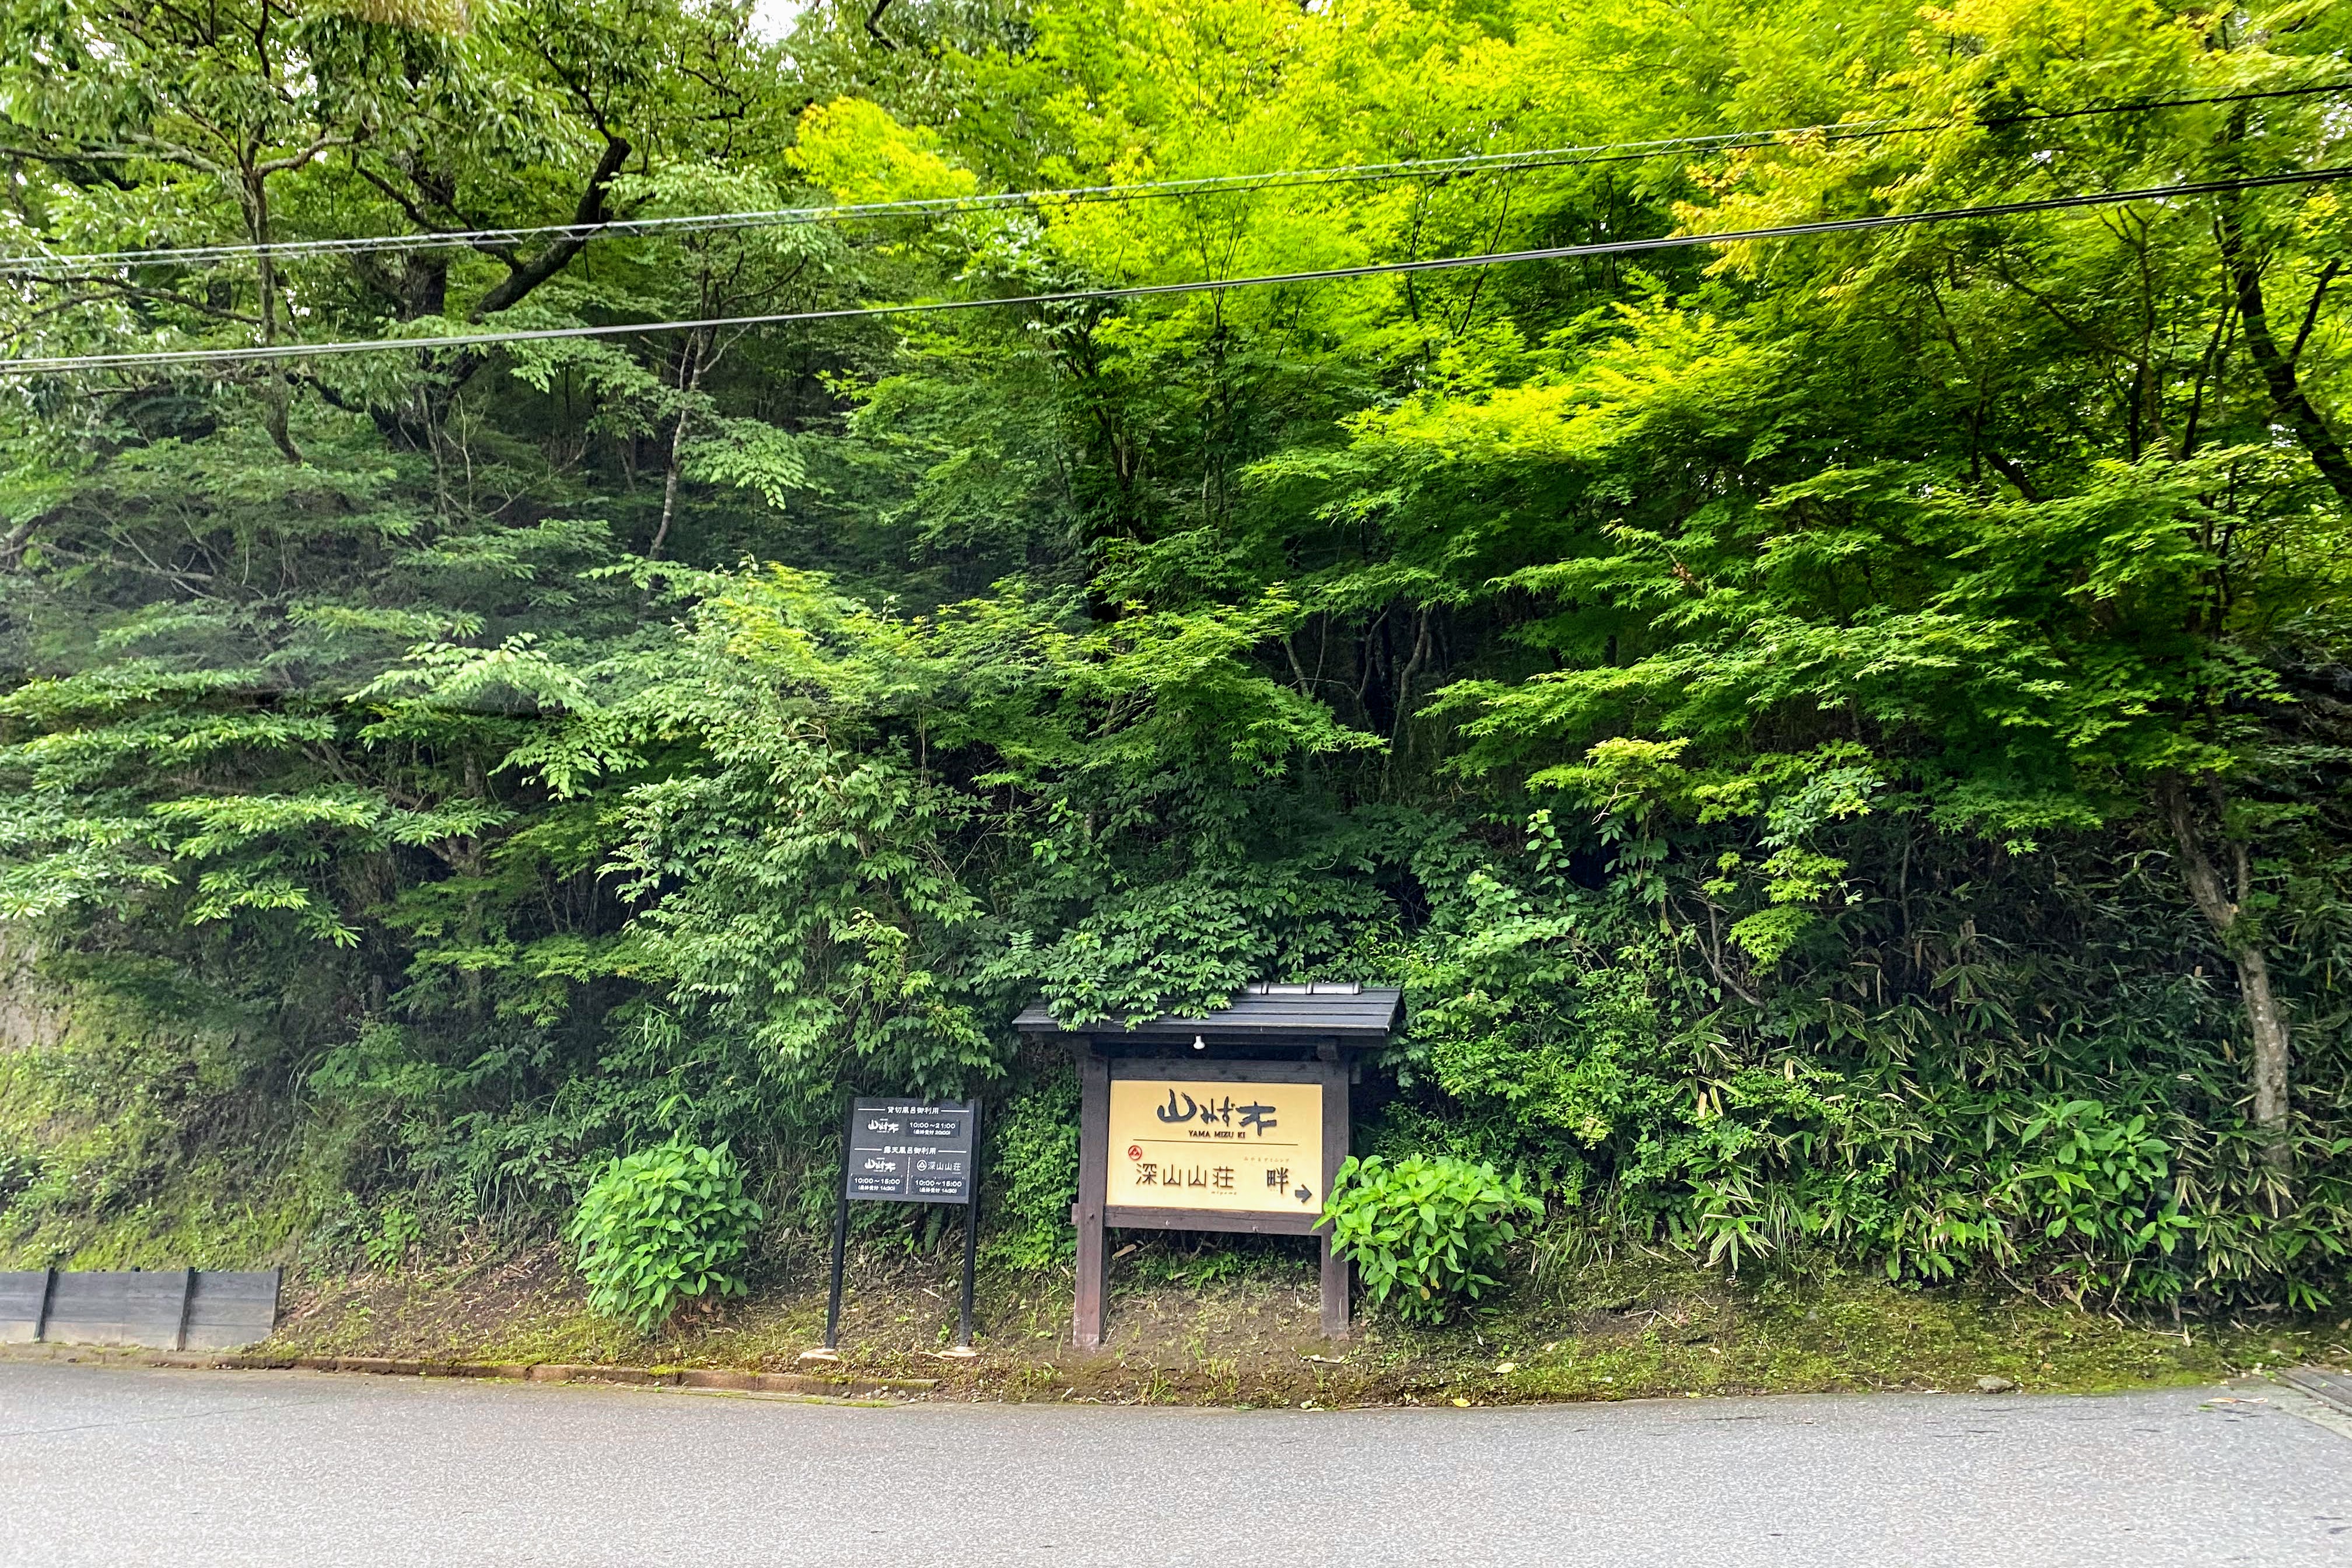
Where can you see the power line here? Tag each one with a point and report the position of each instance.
(1408, 168)
(273, 352)
(2028, 115)
(1473, 163)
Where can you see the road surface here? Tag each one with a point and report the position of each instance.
(117, 1466)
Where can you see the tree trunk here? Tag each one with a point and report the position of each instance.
(2221, 905)
(277, 392)
(693, 359)
(669, 486)
(2268, 1026)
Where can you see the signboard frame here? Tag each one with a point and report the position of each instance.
(906, 1139)
(1093, 1214)
(1152, 1069)
(1268, 1032)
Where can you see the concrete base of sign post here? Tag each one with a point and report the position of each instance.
(958, 1353)
(819, 1354)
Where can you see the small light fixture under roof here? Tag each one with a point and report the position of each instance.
(1199, 1044)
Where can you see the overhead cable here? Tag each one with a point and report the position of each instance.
(919, 206)
(1207, 184)
(275, 352)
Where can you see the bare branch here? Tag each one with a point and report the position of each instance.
(529, 274)
(2311, 313)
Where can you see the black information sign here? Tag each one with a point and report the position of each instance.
(909, 1153)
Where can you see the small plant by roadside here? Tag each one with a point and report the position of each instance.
(398, 1230)
(661, 1225)
(18, 1172)
(1426, 1229)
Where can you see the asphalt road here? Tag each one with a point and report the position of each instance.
(123, 1467)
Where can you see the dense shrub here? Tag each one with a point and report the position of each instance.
(1427, 1229)
(661, 1225)
(1037, 1173)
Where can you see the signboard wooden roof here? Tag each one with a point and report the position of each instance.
(1345, 1011)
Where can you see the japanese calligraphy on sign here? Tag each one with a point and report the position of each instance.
(1247, 1147)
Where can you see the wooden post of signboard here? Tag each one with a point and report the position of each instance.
(1094, 1175)
(1336, 1270)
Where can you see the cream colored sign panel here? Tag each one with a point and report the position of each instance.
(1250, 1148)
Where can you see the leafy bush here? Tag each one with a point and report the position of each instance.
(2102, 1182)
(389, 1245)
(660, 1225)
(1037, 1173)
(18, 1172)
(1426, 1229)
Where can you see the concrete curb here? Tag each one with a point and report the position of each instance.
(847, 1387)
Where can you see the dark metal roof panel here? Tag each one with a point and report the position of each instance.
(1365, 1012)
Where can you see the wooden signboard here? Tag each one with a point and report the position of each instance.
(1197, 1144)
(1235, 1119)
(1233, 1152)
(1218, 1145)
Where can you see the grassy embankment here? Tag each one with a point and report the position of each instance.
(1229, 1325)
(1238, 1327)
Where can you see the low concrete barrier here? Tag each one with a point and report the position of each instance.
(167, 1309)
(24, 1304)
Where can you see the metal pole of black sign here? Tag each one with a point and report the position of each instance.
(840, 1231)
(971, 1233)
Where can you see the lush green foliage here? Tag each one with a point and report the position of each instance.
(1427, 1229)
(1035, 1164)
(398, 1230)
(1846, 741)
(661, 1225)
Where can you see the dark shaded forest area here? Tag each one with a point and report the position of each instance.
(1844, 738)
